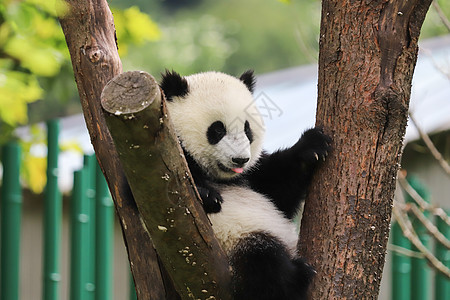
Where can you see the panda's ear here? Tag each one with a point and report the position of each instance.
(173, 85)
(248, 78)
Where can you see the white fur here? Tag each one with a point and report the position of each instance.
(245, 211)
(215, 96)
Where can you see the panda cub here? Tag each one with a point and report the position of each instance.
(249, 195)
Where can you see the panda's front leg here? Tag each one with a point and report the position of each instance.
(284, 176)
(309, 151)
(211, 198)
(311, 148)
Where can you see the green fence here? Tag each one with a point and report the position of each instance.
(91, 228)
(412, 277)
(91, 236)
(11, 205)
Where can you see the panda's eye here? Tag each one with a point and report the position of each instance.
(216, 131)
(248, 131)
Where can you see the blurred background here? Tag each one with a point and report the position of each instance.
(276, 38)
(37, 83)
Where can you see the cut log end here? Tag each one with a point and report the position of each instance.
(130, 92)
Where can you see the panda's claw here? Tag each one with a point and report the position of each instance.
(211, 199)
(314, 144)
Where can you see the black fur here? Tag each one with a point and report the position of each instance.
(263, 270)
(248, 78)
(173, 85)
(284, 176)
(211, 198)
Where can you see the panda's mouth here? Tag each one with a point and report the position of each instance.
(222, 167)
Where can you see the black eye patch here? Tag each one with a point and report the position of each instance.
(248, 131)
(216, 132)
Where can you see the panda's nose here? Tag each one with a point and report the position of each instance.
(240, 160)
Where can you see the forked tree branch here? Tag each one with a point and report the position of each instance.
(90, 36)
(411, 235)
(441, 15)
(437, 211)
(404, 251)
(163, 187)
(430, 145)
(432, 229)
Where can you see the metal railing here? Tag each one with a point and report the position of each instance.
(91, 228)
(92, 231)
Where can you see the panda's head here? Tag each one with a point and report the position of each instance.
(216, 120)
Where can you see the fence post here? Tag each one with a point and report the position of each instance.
(132, 293)
(79, 253)
(442, 283)
(52, 217)
(420, 271)
(90, 162)
(104, 239)
(401, 266)
(11, 210)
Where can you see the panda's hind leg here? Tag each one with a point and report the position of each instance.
(264, 270)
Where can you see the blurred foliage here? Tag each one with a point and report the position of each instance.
(172, 5)
(262, 35)
(34, 156)
(35, 65)
(133, 28)
(61, 97)
(229, 36)
(31, 45)
(188, 46)
(433, 26)
(34, 166)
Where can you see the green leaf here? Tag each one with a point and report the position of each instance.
(17, 90)
(39, 59)
(140, 26)
(34, 172)
(54, 7)
(133, 26)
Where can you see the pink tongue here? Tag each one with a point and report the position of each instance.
(238, 170)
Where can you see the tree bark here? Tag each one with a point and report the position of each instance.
(90, 36)
(162, 187)
(368, 52)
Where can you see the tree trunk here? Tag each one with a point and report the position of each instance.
(162, 187)
(368, 52)
(90, 36)
(181, 232)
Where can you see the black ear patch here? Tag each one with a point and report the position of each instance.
(173, 85)
(248, 78)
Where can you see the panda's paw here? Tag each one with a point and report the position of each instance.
(212, 200)
(313, 146)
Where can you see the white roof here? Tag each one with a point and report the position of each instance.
(293, 92)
